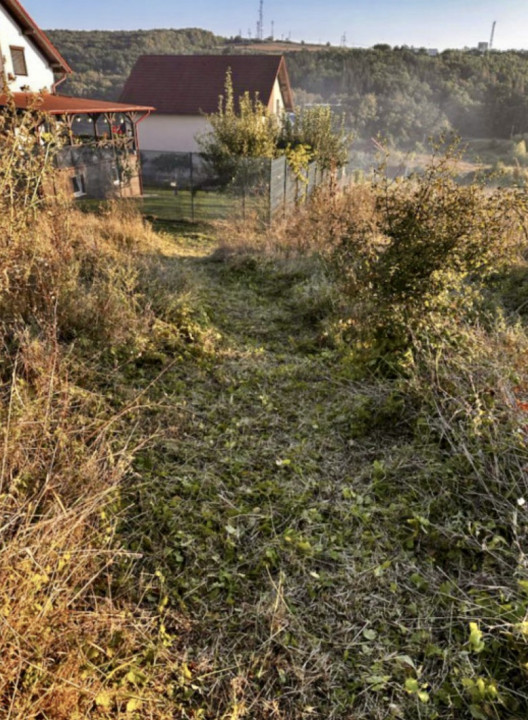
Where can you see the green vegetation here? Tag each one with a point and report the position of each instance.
(407, 96)
(264, 474)
(243, 128)
(102, 60)
(316, 135)
(401, 94)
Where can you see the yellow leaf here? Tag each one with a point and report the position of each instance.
(104, 700)
(475, 637)
(133, 704)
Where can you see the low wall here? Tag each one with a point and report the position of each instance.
(95, 172)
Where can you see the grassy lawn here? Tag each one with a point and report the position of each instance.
(164, 204)
(257, 510)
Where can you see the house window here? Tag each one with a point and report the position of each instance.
(79, 187)
(18, 59)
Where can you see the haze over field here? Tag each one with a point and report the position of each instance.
(453, 23)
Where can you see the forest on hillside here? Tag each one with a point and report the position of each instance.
(401, 94)
(102, 60)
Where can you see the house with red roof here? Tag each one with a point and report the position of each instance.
(100, 157)
(186, 88)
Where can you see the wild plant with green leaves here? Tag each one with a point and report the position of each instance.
(421, 254)
(320, 131)
(242, 128)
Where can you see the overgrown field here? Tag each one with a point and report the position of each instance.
(262, 475)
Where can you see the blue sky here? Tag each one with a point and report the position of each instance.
(428, 23)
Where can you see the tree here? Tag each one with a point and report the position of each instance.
(319, 131)
(242, 128)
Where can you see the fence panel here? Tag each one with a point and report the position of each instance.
(277, 178)
(189, 186)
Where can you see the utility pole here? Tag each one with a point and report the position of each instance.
(273, 29)
(492, 36)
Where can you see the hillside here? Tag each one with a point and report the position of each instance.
(102, 60)
(401, 94)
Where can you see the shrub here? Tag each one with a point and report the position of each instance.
(242, 128)
(420, 254)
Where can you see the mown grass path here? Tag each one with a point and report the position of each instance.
(257, 507)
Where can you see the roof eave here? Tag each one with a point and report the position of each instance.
(285, 85)
(40, 39)
(62, 105)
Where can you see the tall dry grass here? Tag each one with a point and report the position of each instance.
(74, 642)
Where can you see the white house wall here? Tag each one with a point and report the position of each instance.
(40, 76)
(176, 133)
(276, 103)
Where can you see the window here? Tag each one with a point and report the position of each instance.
(79, 187)
(18, 58)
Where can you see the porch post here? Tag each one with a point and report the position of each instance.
(111, 119)
(135, 139)
(94, 118)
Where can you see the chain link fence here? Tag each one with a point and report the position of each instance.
(187, 186)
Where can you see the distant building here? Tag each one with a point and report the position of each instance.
(483, 47)
(432, 52)
(185, 88)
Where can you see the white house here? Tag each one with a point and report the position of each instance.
(185, 88)
(100, 158)
(28, 61)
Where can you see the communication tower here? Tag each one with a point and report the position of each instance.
(260, 21)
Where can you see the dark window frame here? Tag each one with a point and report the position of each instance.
(13, 49)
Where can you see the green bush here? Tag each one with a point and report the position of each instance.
(420, 255)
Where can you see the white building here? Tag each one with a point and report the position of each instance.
(32, 68)
(186, 88)
(28, 60)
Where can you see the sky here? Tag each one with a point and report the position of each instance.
(419, 23)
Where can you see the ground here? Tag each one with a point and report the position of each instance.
(294, 581)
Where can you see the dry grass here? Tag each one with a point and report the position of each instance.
(294, 542)
(75, 639)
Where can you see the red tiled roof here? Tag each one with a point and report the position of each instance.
(64, 105)
(192, 84)
(35, 34)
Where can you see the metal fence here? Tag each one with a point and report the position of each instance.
(189, 186)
